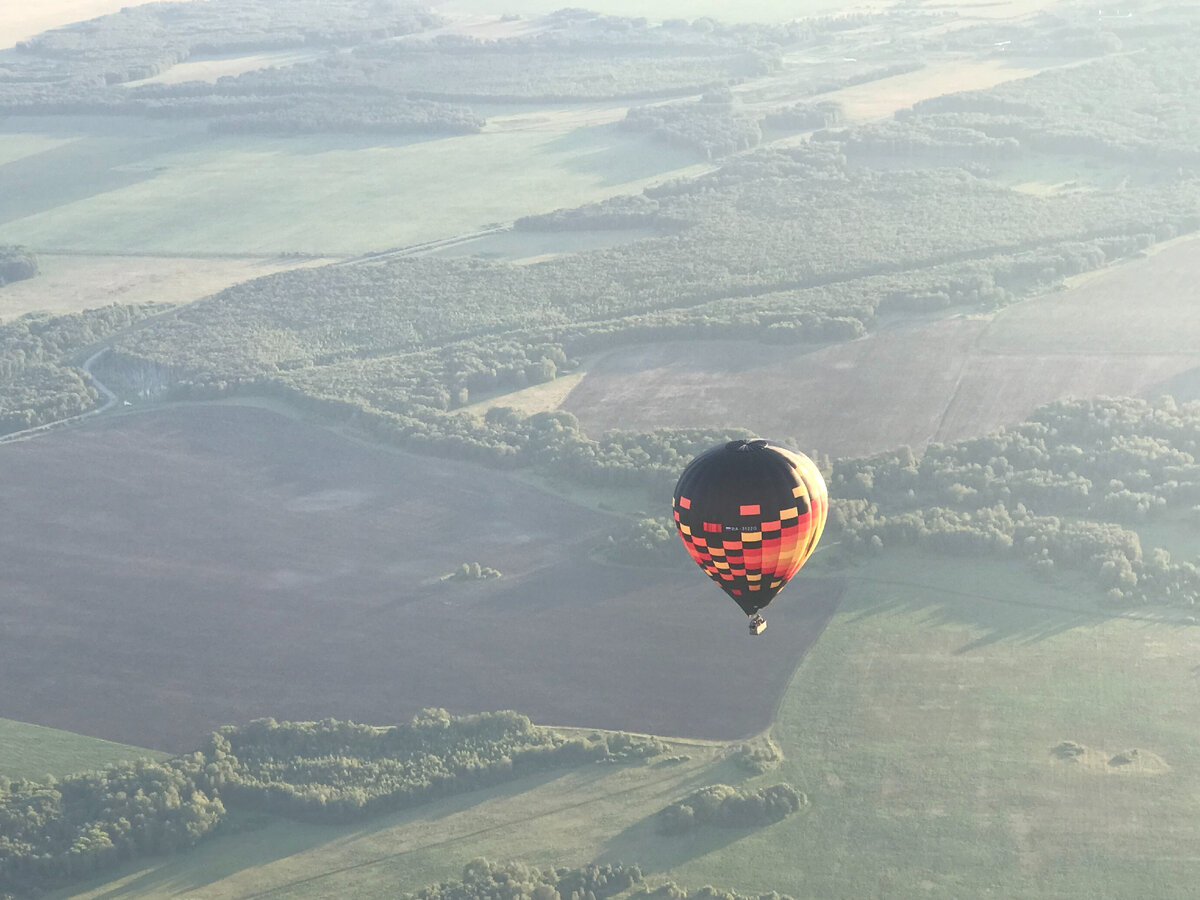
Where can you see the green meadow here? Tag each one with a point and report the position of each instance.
(148, 188)
(32, 751)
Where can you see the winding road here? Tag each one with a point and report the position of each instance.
(110, 400)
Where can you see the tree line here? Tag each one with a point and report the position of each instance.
(56, 831)
(1065, 490)
(483, 879)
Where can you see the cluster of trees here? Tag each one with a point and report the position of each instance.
(519, 70)
(16, 263)
(936, 140)
(716, 125)
(730, 807)
(38, 382)
(1056, 491)
(484, 880)
(339, 771)
(56, 831)
(645, 542)
(363, 115)
(758, 757)
(473, 571)
(804, 115)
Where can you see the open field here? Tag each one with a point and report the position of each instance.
(200, 566)
(71, 283)
(1126, 330)
(922, 727)
(32, 751)
(1137, 307)
(547, 819)
(879, 99)
(18, 146)
(214, 67)
(154, 188)
(820, 398)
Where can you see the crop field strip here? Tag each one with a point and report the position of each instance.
(970, 376)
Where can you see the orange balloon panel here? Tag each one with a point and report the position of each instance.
(750, 514)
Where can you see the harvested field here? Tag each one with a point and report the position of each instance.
(168, 572)
(878, 99)
(1141, 306)
(1131, 329)
(72, 283)
(849, 399)
(216, 67)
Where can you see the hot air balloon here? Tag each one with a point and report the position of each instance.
(750, 514)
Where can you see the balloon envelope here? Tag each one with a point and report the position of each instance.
(750, 514)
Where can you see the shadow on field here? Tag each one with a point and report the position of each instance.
(255, 840)
(1023, 621)
(654, 852)
(616, 156)
(88, 165)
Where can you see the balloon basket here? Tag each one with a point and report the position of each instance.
(757, 624)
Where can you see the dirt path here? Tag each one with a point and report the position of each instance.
(110, 401)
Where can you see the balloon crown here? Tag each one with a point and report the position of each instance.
(743, 446)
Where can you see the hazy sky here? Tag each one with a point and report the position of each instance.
(21, 19)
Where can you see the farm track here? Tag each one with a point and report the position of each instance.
(110, 401)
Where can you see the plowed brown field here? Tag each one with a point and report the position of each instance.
(1129, 330)
(166, 573)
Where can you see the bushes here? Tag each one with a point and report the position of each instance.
(728, 807)
(16, 264)
(340, 771)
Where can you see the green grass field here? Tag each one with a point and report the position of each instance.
(31, 751)
(19, 146)
(147, 188)
(922, 727)
(548, 819)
